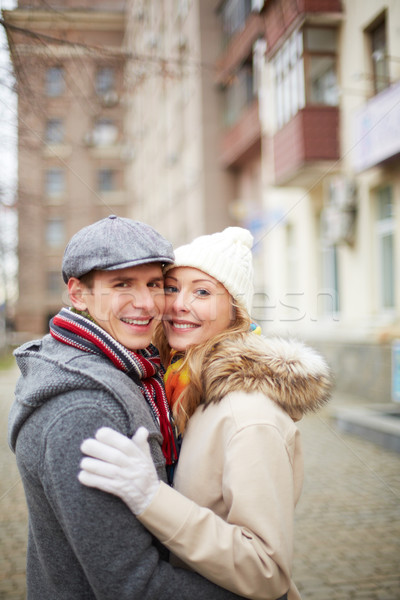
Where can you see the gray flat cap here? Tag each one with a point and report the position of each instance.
(114, 243)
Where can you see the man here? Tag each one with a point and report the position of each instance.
(96, 369)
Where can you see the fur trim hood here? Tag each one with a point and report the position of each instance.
(290, 373)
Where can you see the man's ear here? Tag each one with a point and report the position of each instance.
(77, 291)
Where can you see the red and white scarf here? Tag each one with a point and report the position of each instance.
(144, 367)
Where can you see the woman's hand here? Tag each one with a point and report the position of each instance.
(120, 466)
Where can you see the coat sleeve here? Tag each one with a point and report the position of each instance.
(251, 552)
(112, 549)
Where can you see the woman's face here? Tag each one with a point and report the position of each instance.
(197, 307)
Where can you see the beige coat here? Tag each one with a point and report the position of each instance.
(240, 470)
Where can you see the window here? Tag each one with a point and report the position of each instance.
(322, 81)
(55, 232)
(239, 93)
(320, 71)
(385, 227)
(105, 132)
(380, 66)
(329, 293)
(54, 131)
(305, 72)
(289, 79)
(292, 259)
(234, 14)
(106, 180)
(105, 80)
(55, 84)
(54, 182)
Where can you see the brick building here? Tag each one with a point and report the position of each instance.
(71, 146)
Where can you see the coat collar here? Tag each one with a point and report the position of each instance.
(290, 373)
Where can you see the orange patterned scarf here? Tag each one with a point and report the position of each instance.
(175, 379)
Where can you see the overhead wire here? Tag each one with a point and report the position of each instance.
(78, 56)
(71, 84)
(112, 51)
(67, 166)
(49, 41)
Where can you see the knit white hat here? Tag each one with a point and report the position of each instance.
(227, 257)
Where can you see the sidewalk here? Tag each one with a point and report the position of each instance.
(13, 512)
(348, 518)
(347, 522)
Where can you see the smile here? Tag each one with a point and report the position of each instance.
(184, 325)
(136, 321)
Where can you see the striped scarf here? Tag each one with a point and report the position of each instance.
(144, 367)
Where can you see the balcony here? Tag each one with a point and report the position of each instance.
(377, 129)
(240, 47)
(242, 140)
(310, 137)
(282, 17)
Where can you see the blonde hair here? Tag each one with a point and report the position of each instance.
(195, 358)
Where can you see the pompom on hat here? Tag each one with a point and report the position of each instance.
(227, 257)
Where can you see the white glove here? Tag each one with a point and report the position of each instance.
(121, 466)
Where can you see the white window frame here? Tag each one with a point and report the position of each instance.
(385, 228)
(54, 131)
(55, 82)
(55, 232)
(54, 182)
(105, 80)
(294, 65)
(330, 275)
(107, 180)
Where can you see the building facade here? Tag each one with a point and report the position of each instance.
(281, 116)
(71, 146)
(192, 95)
(332, 194)
(304, 147)
(174, 117)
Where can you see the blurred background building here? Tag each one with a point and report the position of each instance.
(69, 66)
(282, 116)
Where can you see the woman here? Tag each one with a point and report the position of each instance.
(234, 396)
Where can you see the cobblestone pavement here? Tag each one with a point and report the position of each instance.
(347, 524)
(348, 519)
(13, 512)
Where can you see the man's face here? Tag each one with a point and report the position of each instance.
(127, 303)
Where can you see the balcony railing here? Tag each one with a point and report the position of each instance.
(310, 137)
(243, 139)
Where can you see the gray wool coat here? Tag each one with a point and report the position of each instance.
(84, 543)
